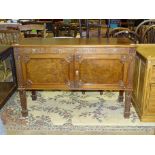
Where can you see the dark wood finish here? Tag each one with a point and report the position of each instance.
(87, 25)
(75, 64)
(34, 95)
(121, 97)
(128, 34)
(7, 88)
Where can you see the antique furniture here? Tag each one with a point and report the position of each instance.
(140, 29)
(144, 82)
(149, 35)
(75, 64)
(92, 28)
(33, 30)
(7, 88)
(113, 31)
(8, 37)
(128, 34)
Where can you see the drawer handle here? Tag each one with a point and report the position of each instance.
(77, 73)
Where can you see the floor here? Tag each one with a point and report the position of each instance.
(65, 112)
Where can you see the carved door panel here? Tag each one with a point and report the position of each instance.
(101, 71)
(43, 71)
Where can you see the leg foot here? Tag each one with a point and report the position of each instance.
(101, 92)
(127, 104)
(34, 95)
(120, 97)
(83, 92)
(22, 94)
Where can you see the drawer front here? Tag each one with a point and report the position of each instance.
(101, 71)
(39, 70)
(107, 50)
(44, 50)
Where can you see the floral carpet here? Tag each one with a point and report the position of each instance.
(65, 112)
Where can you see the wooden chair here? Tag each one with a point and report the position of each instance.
(90, 28)
(116, 30)
(9, 37)
(128, 34)
(33, 30)
(140, 29)
(149, 35)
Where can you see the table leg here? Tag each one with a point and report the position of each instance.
(120, 97)
(34, 95)
(22, 94)
(83, 92)
(127, 104)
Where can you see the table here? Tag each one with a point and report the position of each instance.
(75, 64)
(7, 88)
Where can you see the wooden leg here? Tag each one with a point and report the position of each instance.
(34, 95)
(22, 94)
(120, 97)
(83, 92)
(127, 104)
(101, 92)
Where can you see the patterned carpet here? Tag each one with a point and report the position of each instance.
(60, 112)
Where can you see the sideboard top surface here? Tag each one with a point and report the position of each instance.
(146, 50)
(73, 42)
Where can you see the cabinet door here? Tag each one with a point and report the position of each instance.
(101, 71)
(149, 108)
(43, 71)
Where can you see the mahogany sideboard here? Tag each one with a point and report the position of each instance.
(75, 64)
(144, 82)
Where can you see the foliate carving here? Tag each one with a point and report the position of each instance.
(40, 50)
(29, 83)
(121, 84)
(26, 58)
(69, 59)
(124, 58)
(86, 50)
(78, 58)
(70, 84)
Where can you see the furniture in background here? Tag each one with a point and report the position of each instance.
(8, 37)
(144, 83)
(9, 26)
(149, 35)
(91, 28)
(128, 34)
(113, 31)
(140, 29)
(33, 30)
(75, 64)
(7, 88)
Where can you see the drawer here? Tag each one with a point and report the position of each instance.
(106, 50)
(46, 50)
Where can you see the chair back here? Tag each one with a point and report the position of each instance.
(128, 34)
(116, 30)
(149, 35)
(90, 28)
(9, 37)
